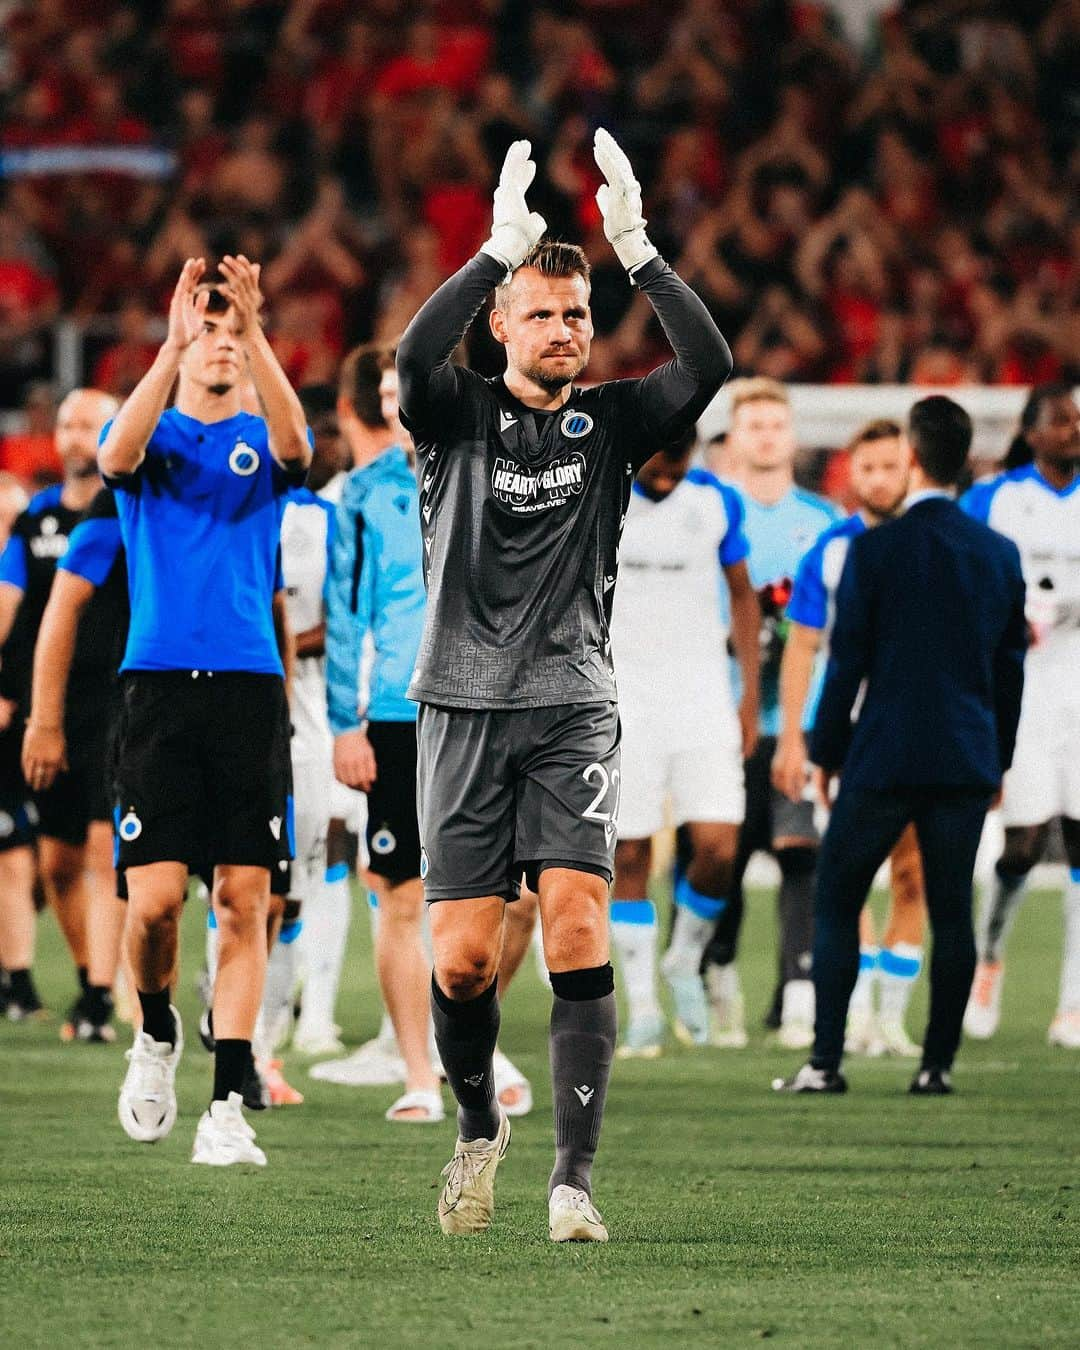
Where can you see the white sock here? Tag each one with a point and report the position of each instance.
(1069, 996)
(326, 928)
(1001, 904)
(635, 936)
(862, 996)
(276, 1009)
(211, 947)
(689, 938)
(898, 969)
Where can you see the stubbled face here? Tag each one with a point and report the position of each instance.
(879, 475)
(78, 425)
(1056, 435)
(762, 435)
(546, 327)
(660, 476)
(215, 360)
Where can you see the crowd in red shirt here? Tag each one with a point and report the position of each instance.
(903, 210)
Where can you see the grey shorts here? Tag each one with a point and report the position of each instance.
(505, 794)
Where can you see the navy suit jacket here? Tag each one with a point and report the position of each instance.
(930, 613)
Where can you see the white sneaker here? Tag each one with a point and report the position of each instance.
(861, 1033)
(983, 1012)
(468, 1198)
(727, 1008)
(797, 1016)
(375, 1064)
(644, 1038)
(147, 1105)
(512, 1088)
(892, 1039)
(691, 1005)
(324, 1040)
(1065, 1030)
(224, 1137)
(572, 1217)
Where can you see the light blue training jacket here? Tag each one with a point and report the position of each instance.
(375, 586)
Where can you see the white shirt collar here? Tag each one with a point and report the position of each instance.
(915, 497)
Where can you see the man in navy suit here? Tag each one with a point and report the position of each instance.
(930, 615)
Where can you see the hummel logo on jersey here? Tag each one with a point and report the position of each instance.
(275, 826)
(527, 492)
(477, 1079)
(506, 420)
(584, 1094)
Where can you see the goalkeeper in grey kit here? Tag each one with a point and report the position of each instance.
(524, 484)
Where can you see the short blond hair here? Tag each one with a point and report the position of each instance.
(757, 389)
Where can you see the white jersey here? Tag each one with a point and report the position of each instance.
(306, 534)
(1044, 523)
(667, 635)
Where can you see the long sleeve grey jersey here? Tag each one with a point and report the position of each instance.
(521, 511)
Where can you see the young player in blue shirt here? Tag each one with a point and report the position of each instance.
(203, 747)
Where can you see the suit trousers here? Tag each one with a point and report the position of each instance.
(863, 828)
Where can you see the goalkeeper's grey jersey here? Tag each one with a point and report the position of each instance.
(521, 511)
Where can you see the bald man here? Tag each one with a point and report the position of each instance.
(39, 539)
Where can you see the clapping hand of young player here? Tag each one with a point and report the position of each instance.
(187, 308)
(514, 228)
(241, 287)
(619, 200)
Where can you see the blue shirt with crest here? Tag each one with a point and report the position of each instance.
(201, 523)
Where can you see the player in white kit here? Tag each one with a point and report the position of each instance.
(1036, 502)
(683, 742)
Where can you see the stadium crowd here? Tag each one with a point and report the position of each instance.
(892, 205)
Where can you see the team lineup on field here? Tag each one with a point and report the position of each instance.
(499, 635)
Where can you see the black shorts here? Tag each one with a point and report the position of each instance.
(280, 878)
(84, 793)
(770, 813)
(393, 837)
(18, 813)
(203, 769)
(503, 794)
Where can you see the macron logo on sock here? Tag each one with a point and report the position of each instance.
(584, 1094)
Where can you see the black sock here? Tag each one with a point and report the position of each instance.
(796, 904)
(583, 1026)
(231, 1059)
(22, 989)
(157, 1019)
(465, 1033)
(98, 1003)
(84, 978)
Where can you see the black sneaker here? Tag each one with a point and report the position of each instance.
(809, 1079)
(255, 1092)
(931, 1083)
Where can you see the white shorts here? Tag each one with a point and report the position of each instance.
(688, 756)
(1044, 780)
(348, 805)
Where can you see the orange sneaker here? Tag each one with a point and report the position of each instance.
(281, 1092)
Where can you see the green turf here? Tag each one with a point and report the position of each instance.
(736, 1215)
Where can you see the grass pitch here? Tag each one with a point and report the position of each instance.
(736, 1215)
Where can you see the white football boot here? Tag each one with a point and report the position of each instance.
(147, 1105)
(983, 1012)
(468, 1198)
(572, 1217)
(224, 1137)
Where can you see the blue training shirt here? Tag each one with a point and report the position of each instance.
(201, 520)
(779, 536)
(376, 587)
(813, 597)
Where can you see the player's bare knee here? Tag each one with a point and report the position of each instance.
(239, 905)
(466, 969)
(154, 908)
(711, 870)
(573, 937)
(1024, 846)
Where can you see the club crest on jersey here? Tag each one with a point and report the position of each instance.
(243, 460)
(130, 827)
(526, 491)
(383, 841)
(576, 424)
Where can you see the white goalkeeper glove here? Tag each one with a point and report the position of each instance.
(619, 200)
(514, 228)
